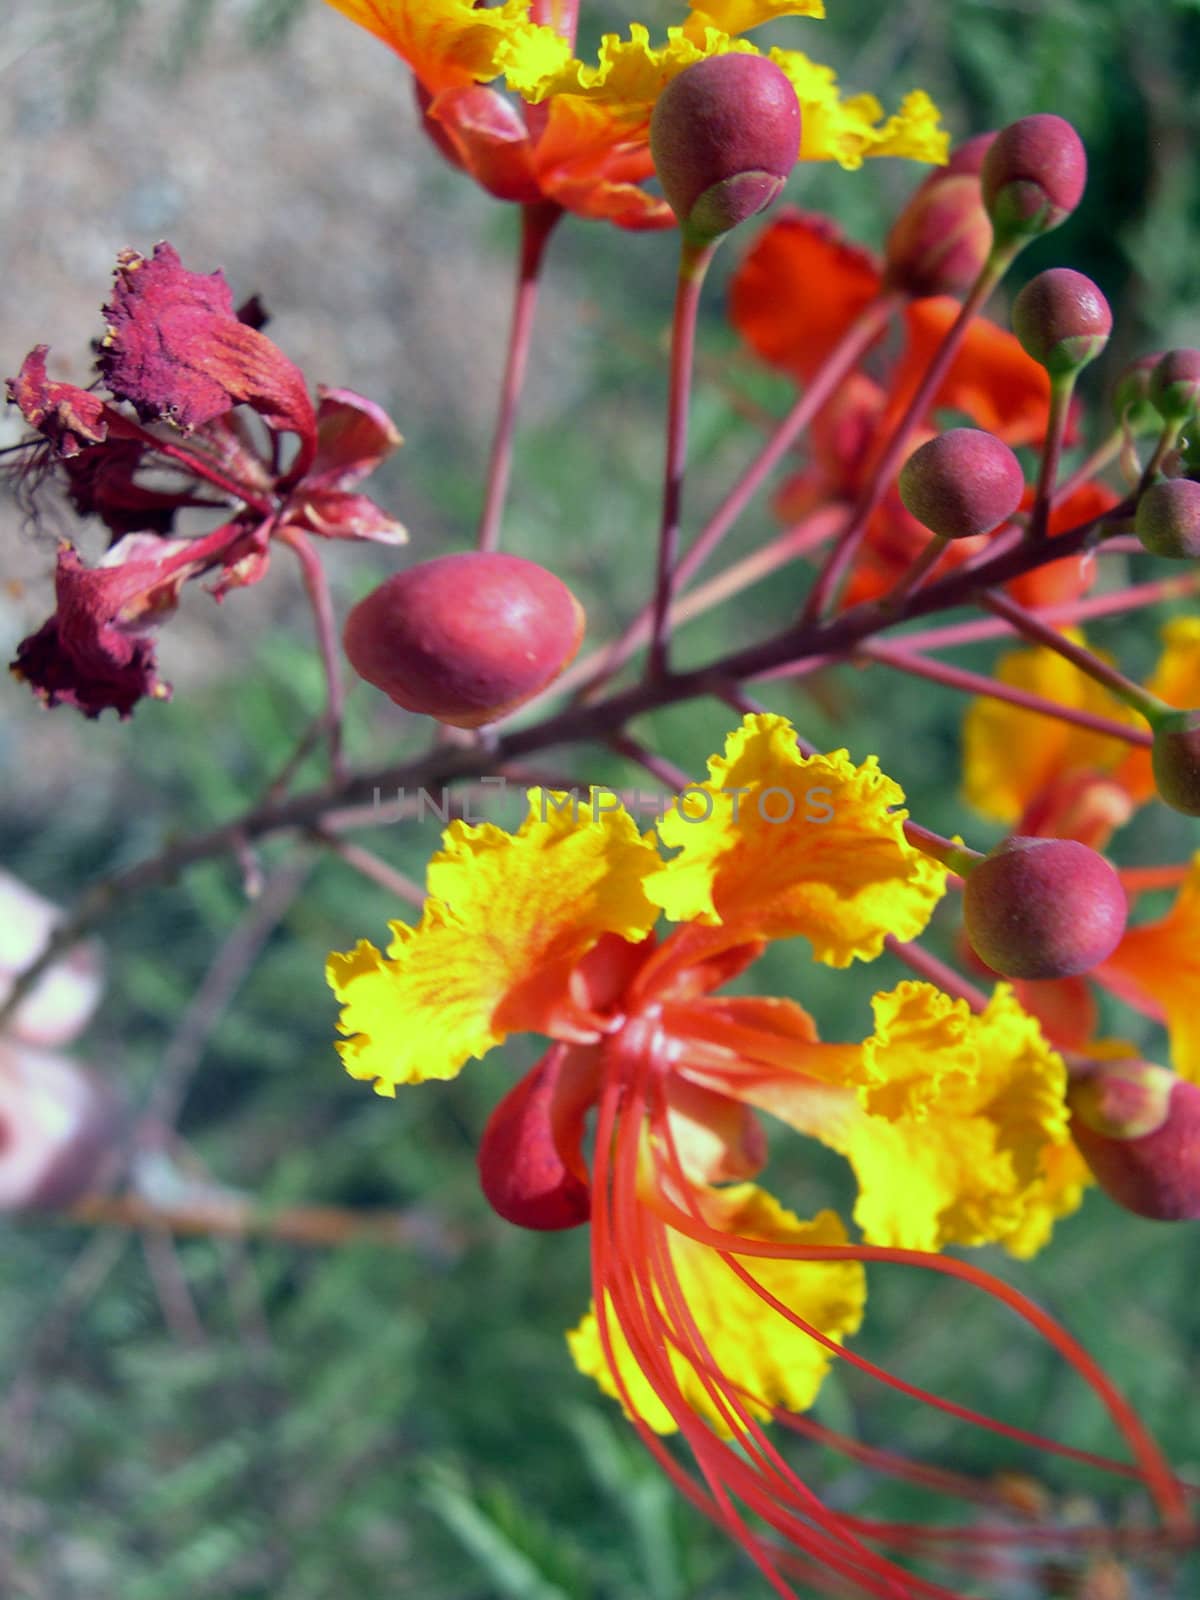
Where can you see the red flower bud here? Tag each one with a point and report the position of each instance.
(1175, 385)
(1138, 1128)
(1033, 176)
(1167, 520)
(962, 483)
(530, 1166)
(941, 239)
(1175, 757)
(724, 135)
(465, 638)
(1062, 320)
(1043, 908)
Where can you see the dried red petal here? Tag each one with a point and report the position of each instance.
(354, 436)
(101, 483)
(176, 350)
(95, 652)
(345, 516)
(71, 418)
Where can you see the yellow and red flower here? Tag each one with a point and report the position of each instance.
(577, 134)
(714, 1306)
(1038, 775)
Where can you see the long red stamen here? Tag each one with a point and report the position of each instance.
(1155, 1472)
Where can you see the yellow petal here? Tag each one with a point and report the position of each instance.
(629, 74)
(508, 917)
(776, 844)
(922, 1037)
(449, 42)
(1176, 680)
(739, 16)
(966, 1160)
(753, 1346)
(1011, 756)
(847, 131)
(1057, 1193)
(1162, 961)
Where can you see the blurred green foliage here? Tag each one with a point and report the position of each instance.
(378, 1423)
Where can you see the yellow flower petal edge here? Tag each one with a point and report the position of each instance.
(848, 131)
(448, 42)
(507, 918)
(777, 844)
(1011, 756)
(756, 1350)
(976, 1158)
(630, 74)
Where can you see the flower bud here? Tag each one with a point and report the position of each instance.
(57, 1126)
(1043, 908)
(1167, 520)
(1131, 396)
(1033, 176)
(530, 1166)
(1175, 758)
(1138, 1128)
(940, 241)
(962, 483)
(724, 135)
(1175, 385)
(1062, 320)
(465, 638)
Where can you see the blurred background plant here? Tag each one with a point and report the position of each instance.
(216, 1416)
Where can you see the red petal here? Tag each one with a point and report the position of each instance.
(176, 350)
(531, 1166)
(487, 138)
(799, 289)
(353, 436)
(71, 418)
(345, 516)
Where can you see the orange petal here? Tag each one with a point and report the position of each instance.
(1064, 580)
(991, 379)
(1160, 963)
(799, 289)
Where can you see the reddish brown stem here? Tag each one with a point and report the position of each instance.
(537, 224)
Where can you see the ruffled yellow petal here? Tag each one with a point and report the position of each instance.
(847, 131)
(1057, 1194)
(776, 844)
(1011, 757)
(1161, 960)
(449, 42)
(1176, 679)
(922, 1039)
(739, 16)
(966, 1159)
(752, 1345)
(629, 74)
(508, 917)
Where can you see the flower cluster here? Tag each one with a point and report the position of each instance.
(964, 1118)
(182, 368)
